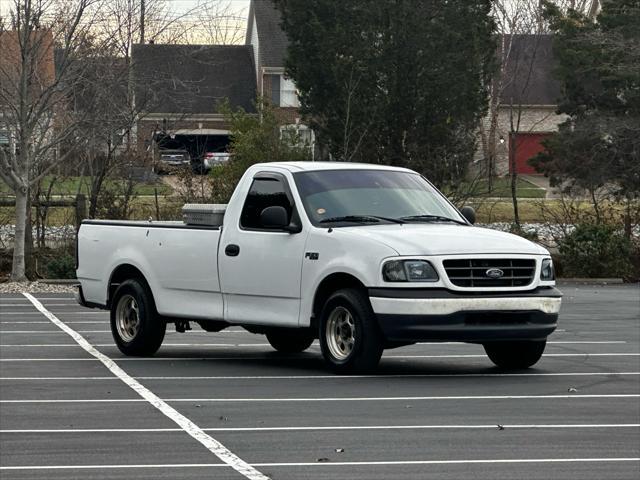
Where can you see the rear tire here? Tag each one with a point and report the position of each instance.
(135, 324)
(515, 355)
(290, 341)
(350, 338)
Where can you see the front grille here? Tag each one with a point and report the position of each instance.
(473, 272)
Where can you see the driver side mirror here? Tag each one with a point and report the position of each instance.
(469, 213)
(277, 218)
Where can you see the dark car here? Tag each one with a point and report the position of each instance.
(172, 158)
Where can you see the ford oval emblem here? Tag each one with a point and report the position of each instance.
(494, 273)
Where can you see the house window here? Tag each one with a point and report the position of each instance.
(5, 141)
(288, 93)
(298, 136)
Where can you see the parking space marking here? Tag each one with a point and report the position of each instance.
(324, 399)
(60, 313)
(164, 344)
(254, 344)
(27, 304)
(101, 322)
(339, 377)
(41, 332)
(330, 464)
(279, 358)
(548, 342)
(215, 447)
(581, 354)
(451, 462)
(332, 428)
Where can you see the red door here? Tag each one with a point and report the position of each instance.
(527, 145)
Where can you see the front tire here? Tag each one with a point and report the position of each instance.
(350, 338)
(515, 355)
(135, 325)
(290, 341)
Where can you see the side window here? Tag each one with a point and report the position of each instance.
(264, 192)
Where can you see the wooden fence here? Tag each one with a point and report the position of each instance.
(79, 204)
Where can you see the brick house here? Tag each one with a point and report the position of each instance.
(179, 89)
(269, 43)
(42, 77)
(531, 92)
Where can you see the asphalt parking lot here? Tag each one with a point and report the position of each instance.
(431, 411)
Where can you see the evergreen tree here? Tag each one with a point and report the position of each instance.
(393, 81)
(599, 65)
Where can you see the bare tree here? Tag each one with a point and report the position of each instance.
(218, 22)
(34, 96)
(516, 19)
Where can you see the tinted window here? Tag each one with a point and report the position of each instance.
(264, 192)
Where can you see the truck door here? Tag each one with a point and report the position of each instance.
(260, 268)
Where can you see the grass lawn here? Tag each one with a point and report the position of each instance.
(170, 209)
(502, 189)
(70, 186)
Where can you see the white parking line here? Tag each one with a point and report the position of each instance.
(336, 377)
(328, 464)
(227, 344)
(215, 447)
(588, 342)
(41, 332)
(332, 428)
(279, 357)
(27, 322)
(548, 342)
(48, 345)
(328, 399)
(109, 331)
(27, 304)
(59, 313)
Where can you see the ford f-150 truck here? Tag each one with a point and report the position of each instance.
(362, 257)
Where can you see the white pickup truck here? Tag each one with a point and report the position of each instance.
(362, 257)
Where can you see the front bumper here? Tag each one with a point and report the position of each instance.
(408, 315)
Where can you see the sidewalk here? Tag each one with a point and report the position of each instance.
(542, 182)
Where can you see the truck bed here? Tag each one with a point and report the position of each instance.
(180, 263)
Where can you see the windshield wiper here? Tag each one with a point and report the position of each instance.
(432, 218)
(361, 219)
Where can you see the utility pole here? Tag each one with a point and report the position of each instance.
(142, 12)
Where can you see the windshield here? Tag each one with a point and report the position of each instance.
(371, 196)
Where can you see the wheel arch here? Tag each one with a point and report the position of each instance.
(329, 284)
(121, 273)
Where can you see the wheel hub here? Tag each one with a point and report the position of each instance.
(340, 333)
(127, 318)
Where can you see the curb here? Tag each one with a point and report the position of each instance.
(590, 281)
(59, 281)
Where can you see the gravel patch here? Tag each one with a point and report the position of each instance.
(34, 287)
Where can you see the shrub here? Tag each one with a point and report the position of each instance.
(595, 251)
(63, 266)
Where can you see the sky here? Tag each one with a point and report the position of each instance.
(185, 9)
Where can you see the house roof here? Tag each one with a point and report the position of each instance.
(272, 39)
(529, 78)
(194, 79)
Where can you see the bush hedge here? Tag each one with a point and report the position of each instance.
(596, 251)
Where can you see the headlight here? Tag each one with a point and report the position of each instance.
(409, 271)
(546, 272)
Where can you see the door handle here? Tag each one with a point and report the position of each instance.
(232, 250)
